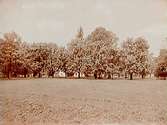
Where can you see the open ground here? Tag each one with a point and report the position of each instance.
(86, 102)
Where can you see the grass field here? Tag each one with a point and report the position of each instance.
(86, 102)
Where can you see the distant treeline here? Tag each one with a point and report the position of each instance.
(96, 55)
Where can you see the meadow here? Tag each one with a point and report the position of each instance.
(87, 102)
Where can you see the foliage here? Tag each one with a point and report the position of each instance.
(94, 55)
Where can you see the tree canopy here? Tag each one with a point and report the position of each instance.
(95, 55)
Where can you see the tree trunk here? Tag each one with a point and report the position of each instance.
(9, 74)
(24, 75)
(119, 75)
(79, 75)
(112, 75)
(109, 76)
(100, 75)
(125, 75)
(9, 69)
(53, 75)
(39, 75)
(34, 74)
(150, 75)
(131, 76)
(95, 74)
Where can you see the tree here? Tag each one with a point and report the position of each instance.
(38, 55)
(136, 56)
(100, 47)
(22, 66)
(52, 63)
(151, 64)
(1, 56)
(62, 61)
(161, 62)
(76, 50)
(142, 47)
(129, 57)
(9, 54)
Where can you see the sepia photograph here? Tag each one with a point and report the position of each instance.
(83, 62)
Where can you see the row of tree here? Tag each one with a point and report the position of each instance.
(96, 55)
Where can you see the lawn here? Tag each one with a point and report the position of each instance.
(86, 102)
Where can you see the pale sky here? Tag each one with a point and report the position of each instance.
(58, 20)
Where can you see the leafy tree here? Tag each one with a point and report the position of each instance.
(62, 61)
(22, 66)
(136, 56)
(151, 64)
(100, 46)
(161, 62)
(76, 49)
(9, 53)
(52, 63)
(38, 55)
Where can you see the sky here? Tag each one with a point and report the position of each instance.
(58, 20)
